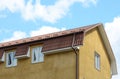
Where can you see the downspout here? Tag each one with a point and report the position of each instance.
(77, 57)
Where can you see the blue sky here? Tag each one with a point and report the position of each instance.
(26, 18)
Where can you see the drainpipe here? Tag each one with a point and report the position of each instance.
(77, 57)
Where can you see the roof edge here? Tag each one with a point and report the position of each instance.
(109, 49)
(95, 25)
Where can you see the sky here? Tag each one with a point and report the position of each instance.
(27, 18)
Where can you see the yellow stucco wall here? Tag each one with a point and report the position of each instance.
(55, 66)
(92, 43)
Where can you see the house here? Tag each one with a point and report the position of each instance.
(80, 53)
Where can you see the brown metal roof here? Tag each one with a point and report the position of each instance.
(63, 42)
(47, 36)
(22, 49)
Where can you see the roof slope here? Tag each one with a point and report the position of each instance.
(47, 36)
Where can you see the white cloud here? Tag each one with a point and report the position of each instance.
(12, 5)
(51, 13)
(16, 35)
(45, 30)
(113, 32)
(42, 30)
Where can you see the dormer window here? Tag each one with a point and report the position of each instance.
(37, 55)
(10, 59)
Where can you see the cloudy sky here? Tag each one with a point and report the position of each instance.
(26, 18)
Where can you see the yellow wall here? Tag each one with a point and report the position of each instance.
(55, 66)
(92, 43)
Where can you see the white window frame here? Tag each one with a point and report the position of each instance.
(37, 55)
(10, 58)
(97, 61)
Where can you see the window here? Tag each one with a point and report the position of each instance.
(10, 59)
(97, 61)
(37, 55)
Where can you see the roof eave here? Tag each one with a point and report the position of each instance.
(109, 49)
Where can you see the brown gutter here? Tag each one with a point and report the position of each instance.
(77, 57)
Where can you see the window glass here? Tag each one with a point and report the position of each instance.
(10, 59)
(97, 61)
(37, 55)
